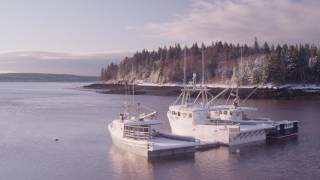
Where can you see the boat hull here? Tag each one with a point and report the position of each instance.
(147, 149)
(249, 138)
(282, 130)
(229, 135)
(134, 146)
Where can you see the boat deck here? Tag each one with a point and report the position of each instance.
(164, 143)
(171, 146)
(247, 128)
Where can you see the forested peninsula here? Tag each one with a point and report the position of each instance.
(258, 64)
(280, 70)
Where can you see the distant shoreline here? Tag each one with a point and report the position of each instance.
(42, 77)
(265, 92)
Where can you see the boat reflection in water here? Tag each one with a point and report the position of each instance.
(126, 164)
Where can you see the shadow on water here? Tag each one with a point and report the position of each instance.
(265, 147)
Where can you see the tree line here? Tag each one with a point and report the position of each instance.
(224, 62)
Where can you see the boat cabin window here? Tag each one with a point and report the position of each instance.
(136, 132)
(190, 115)
(225, 112)
(178, 113)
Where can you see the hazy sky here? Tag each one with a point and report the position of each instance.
(112, 26)
(83, 25)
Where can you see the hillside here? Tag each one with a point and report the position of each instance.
(38, 77)
(260, 64)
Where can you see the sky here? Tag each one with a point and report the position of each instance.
(81, 36)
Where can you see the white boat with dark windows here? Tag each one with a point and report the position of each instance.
(198, 118)
(234, 112)
(139, 134)
(201, 118)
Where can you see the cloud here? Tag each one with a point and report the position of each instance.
(57, 62)
(238, 21)
(62, 55)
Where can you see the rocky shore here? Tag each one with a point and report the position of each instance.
(260, 93)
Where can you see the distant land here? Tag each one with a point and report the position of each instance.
(87, 64)
(224, 63)
(40, 77)
(280, 70)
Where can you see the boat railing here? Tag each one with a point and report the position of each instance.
(137, 132)
(259, 119)
(221, 122)
(177, 137)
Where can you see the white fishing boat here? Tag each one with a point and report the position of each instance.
(234, 112)
(200, 118)
(139, 134)
(196, 118)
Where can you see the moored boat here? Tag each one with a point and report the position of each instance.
(197, 118)
(142, 137)
(138, 133)
(239, 114)
(203, 119)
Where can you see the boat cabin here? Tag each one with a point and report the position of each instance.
(140, 129)
(230, 113)
(136, 132)
(194, 115)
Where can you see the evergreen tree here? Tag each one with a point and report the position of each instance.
(292, 65)
(276, 67)
(256, 45)
(266, 48)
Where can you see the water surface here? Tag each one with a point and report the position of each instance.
(33, 115)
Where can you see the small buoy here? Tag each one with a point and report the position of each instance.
(238, 151)
(56, 139)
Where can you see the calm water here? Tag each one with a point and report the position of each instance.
(33, 115)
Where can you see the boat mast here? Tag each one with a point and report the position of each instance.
(184, 66)
(237, 99)
(132, 85)
(203, 88)
(202, 60)
(126, 110)
(184, 95)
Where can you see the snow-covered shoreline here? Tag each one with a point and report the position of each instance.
(308, 87)
(268, 91)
